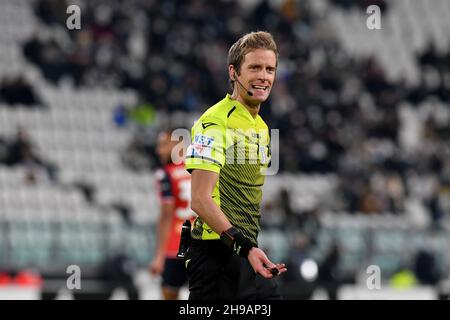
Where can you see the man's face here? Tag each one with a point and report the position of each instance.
(164, 147)
(257, 74)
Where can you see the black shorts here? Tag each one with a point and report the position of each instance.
(215, 272)
(174, 274)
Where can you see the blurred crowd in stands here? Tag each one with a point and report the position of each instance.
(336, 113)
(20, 150)
(18, 91)
(361, 4)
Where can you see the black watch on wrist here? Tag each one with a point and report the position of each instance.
(236, 241)
(228, 237)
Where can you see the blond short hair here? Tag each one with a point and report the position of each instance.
(249, 42)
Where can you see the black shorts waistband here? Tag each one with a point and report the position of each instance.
(197, 242)
(212, 242)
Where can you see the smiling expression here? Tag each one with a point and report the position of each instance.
(257, 74)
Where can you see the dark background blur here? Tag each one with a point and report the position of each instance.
(363, 117)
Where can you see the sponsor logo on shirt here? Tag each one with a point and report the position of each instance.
(199, 150)
(203, 140)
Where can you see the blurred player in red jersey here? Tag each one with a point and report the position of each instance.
(174, 186)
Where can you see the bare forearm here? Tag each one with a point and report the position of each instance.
(210, 213)
(163, 233)
(202, 185)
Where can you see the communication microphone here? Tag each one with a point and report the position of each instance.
(248, 91)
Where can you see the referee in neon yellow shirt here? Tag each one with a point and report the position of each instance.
(227, 159)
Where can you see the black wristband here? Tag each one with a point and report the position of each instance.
(235, 240)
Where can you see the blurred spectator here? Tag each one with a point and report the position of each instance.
(295, 286)
(120, 116)
(425, 267)
(125, 211)
(118, 270)
(18, 91)
(88, 191)
(22, 151)
(362, 4)
(371, 202)
(278, 212)
(139, 154)
(310, 225)
(329, 272)
(403, 278)
(3, 150)
(142, 117)
(51, 11)
(32, 49)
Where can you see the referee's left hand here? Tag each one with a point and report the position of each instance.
(262, 265)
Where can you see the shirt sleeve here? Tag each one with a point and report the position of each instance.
(164, 186)
(207, 149)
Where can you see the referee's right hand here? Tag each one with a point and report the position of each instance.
(262, 265)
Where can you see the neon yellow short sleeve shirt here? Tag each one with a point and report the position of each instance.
(230, 142)
(208, 147)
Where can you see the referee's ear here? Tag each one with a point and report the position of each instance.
(231, 75)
